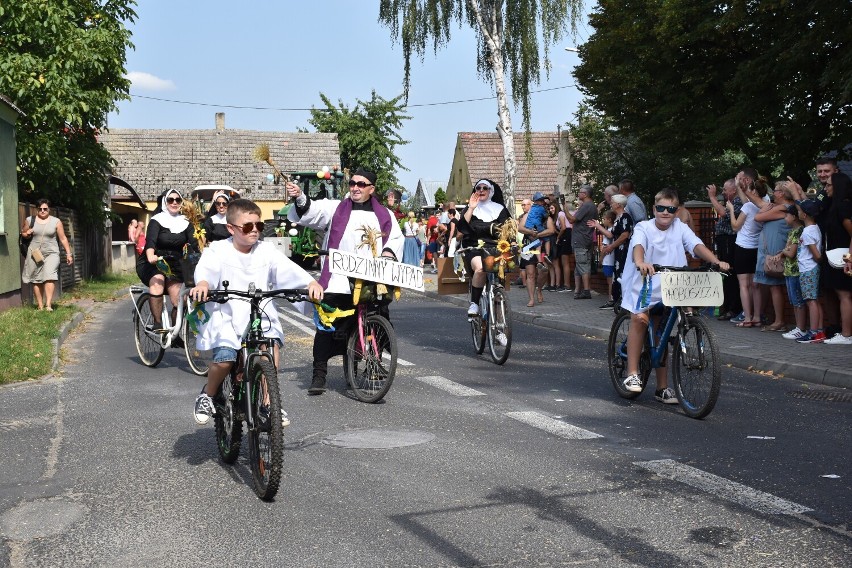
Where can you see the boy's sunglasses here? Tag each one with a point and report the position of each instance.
(360, 184)
(670, 208)
(249, 227)
(174, 200)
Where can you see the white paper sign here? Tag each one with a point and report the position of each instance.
(691, 288)
(379, 269)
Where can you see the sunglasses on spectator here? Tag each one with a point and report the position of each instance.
(670, 208)
(221, 203)
(44, 208)
(249, 227)
(360, 184)
(174, 200)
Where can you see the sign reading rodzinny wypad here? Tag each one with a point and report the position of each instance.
(378, 269)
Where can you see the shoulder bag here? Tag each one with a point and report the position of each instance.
(773, 266)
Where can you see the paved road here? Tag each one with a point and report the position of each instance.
(465, 464)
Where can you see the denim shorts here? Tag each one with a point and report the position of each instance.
(608, 270)
(809, 284)
(794, 291)
(224, 354)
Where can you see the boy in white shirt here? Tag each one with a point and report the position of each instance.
(809, 254)
(661, 240)
(241, 260)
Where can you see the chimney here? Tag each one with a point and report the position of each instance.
(220, 121)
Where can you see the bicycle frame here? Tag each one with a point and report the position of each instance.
(659, 351)
(171, 331)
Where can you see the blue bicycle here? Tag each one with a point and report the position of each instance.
(696, 367)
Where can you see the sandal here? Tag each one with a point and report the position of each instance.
(774, 327)
(531, 304)
(540, 296)
(745, 324)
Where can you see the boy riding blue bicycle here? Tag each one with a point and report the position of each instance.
(663, 240)
(241, 260)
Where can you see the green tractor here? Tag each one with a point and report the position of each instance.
(304, 242)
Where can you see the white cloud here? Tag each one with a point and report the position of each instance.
(148, 82)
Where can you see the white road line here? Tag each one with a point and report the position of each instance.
(553, 426)
(450, 386)
(286, 316)
(723, 488)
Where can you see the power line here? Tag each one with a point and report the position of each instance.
(460, 101)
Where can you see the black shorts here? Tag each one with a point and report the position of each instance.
(745, 260)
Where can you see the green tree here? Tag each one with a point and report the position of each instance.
(368, 134)
(440, 196)
(62, 63)
(769, 80)
(514, 37)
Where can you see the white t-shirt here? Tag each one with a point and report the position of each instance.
(608, 260)
(667, 247)
(264, 266)
(749, 233)
(811, 235)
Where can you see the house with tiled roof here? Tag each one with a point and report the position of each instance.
(480, 155)
(152, 160)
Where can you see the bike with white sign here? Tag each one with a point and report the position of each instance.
(696, 367)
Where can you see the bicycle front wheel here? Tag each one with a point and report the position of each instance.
(697, 371)
(616, 357)
(266, 437)
(148, 344)
(370, 366)
(198, 359)
(229, 427)
(499, 327)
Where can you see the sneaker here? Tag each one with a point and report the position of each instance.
(839, 339)
(562, 289)
(816, 337)
(666, 396)
(609, 305)
(566, 289)
(473, 309)
(549, 288)
(503, 341)
(264, 416)
(806, 338)
(177, 343)
(632, 383)
(317, 386)
(738, 318)
(794, 333)
(584, 295)
(204, 409)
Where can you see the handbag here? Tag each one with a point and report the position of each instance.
(773, 266)
(835, 257)
(37, 255)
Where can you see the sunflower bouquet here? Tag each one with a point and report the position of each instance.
(506, 255)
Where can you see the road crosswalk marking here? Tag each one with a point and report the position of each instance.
(723, 488)
(553, 426)
(449, 386)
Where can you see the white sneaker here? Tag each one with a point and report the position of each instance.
(285, 420)
(839, 339)
(794, 333)
(501, 339)
(633, 383)
(204, 409)
(473, 310)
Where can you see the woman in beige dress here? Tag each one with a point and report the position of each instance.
(45, 230)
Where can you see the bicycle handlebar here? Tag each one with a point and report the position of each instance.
(704, 267)
(290, 294)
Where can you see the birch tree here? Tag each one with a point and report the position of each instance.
(514, 39)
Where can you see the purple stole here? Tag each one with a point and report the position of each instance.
(338, 227)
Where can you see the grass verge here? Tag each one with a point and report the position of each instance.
(26, 350)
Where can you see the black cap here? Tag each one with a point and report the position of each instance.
(367, 174)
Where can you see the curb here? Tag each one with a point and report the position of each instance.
(64, 331)
(840, 378)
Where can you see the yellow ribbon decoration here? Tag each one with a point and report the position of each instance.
(327, 318)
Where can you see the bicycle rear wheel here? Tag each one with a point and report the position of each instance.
(499, 327)
(478, 330)
(198, 359)
(370, 369)
(229, 427)
(148, 344)
(697, 371)
(266, 438)
(616, 355)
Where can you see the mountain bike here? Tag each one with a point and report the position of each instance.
(492, 326)
(250, 394)
(696, 367)
(369, 363)
(153, 339)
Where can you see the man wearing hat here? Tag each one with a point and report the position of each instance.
(344, 223)
(393, 197)
(583, 241)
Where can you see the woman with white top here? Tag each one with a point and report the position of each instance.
(751, 191)
(411, 252)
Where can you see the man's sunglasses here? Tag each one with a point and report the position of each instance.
(670, 208)
(249, 227)
(360, 184)
(174, 200)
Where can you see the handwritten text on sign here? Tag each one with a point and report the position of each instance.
(691, 288)
(375, 269)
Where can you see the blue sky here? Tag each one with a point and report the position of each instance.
(282, 54)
